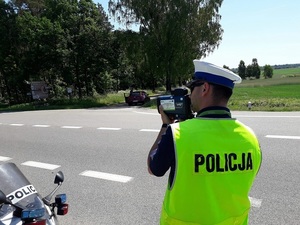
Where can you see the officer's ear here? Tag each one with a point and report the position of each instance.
(206, 87)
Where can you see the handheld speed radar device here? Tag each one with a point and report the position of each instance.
(177, 105)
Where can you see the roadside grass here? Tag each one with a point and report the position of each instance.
(280, 93)
(91, 102)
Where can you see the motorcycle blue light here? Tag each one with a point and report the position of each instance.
(60, 199)
(34, 213)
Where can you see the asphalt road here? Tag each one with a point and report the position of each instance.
(103, 152)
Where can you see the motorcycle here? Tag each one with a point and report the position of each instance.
(20, 203)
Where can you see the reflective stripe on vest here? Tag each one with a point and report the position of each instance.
(216, 163)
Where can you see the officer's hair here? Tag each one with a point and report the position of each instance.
(221, 92)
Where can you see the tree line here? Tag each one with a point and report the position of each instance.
(253, 71)
(72, 44)
(286, 66)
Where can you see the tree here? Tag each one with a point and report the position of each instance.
(268, 71)
(255, 69)
(63, 42)
(131, 67)
(242, 69)
(249, 71)
(71, 43)
(10, 84)
(86, 48)
(174, 33)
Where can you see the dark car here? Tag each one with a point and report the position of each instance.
(136, 97)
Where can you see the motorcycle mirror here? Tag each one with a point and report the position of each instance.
(2, 198)
(59, 178)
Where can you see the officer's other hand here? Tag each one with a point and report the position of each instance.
(164, 116)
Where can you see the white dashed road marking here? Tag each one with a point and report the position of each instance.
(106, 176)
(108, 128)
(3, 158)
(40, 125)
(16, 124)
(71, 127)
(79, 127)
(283, 137)
(255, 202)
(149, 130)
(46, 166)
(146, 113)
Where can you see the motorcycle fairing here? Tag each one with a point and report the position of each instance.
(17, 188)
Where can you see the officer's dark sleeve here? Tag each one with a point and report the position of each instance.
(164, 156)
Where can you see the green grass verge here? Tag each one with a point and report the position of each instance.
(92, 102)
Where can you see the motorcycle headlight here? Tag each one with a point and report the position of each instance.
(33, 213)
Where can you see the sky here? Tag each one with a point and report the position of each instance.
(267, 30)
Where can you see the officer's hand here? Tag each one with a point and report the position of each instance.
(164, 116)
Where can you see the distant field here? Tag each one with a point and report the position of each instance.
(284, 91)
(280, 93)
(270, 82)
(290, 72)
(280, 76)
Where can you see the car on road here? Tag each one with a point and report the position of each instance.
(136, 97)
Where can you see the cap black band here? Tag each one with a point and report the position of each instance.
(215, 79)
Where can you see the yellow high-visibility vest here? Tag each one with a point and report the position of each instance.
(216, 163)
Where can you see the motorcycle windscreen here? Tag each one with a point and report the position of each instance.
(17, 188)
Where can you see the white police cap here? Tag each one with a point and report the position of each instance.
(210, 73)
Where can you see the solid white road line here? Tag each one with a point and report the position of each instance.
(46, 166)
(40, 125)
(106, 176)
(282, 137)
(3, 158)
(255, 202)
(108, 128)
(261, 116)
(16, 124)
(71, 127)
(149, 130)
(147, 113)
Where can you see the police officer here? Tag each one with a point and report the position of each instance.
(213, 158)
